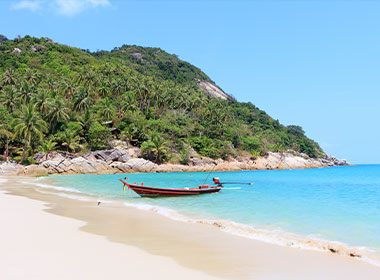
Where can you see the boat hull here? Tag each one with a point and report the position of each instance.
(160, 192)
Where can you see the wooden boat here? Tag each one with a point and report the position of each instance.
(158, 192)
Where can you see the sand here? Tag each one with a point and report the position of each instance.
(45, 236)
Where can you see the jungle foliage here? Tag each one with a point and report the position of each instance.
(55, 97)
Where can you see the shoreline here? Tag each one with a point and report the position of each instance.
(196, 245)
(274, 237)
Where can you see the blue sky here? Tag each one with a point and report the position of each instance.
(311, 63)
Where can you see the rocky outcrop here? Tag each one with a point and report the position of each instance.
(16, 51)
(37, 48)
(109, 156)
(212, 89)
(333, 161)
(138, 56)
(10, 168)
(125, 160)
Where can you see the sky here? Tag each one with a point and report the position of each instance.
(311, 63)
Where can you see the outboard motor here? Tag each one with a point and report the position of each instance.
(216, 181)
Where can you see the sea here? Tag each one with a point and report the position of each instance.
(334, 209)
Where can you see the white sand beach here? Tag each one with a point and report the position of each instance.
(38, 245)
(44, 236)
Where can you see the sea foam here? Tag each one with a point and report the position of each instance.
(277, 237)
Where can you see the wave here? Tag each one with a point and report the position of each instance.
(71, 196)
(46, 186)
(287, 239)
(277, 237)
(167, 212)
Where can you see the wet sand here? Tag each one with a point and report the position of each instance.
(140, 244)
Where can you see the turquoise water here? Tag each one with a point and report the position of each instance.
(336, 204)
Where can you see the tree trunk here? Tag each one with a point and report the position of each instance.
(6, 149)
(23, 152)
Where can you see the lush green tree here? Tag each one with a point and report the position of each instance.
(47, 146)
(43, 101)
(155, 148)
(8, 98)
(106, 109)
(58, 113)
(98, 136)
(5, 132)
(28, 123)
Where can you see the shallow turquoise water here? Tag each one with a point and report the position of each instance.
(338, 204)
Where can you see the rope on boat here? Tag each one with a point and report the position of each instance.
(209, 174)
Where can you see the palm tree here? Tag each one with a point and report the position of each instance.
(107, 110)
(43, 101)
(25, 92)
(32, 77)
(127, 102)
(58, 113)
(10, 77)
(71, 140)
(5, 132)
(82, 100)
(156, 147)
(118, 87)
(51, 84)
(28, 124)
(8, 99)
(68, 89)
(47, 146)
(103, 89)
(89, 78)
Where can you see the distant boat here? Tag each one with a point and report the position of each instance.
(158, 192)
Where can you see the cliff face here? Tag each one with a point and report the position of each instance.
(212, 90)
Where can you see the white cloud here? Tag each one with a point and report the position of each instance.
(32, 5)
(73, 7)
(63, 7)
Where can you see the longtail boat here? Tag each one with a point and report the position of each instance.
(145, 191)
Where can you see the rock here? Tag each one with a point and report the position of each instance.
(118, 144)
(54, 156)
(118, 160)
(81, 165)
(138, 56)
(122, 167)
(109, 155)
(16, 51)
(11, 168)
(201, 161)
(56, 166)
(134, 152)
(141, 165)
(212, 90)
(331, 161)
(285, 161)
(36, 170)
(171, 168)
(37, 48)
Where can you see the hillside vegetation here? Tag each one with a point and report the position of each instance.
(55, 97)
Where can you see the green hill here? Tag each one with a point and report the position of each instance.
(55, 97)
